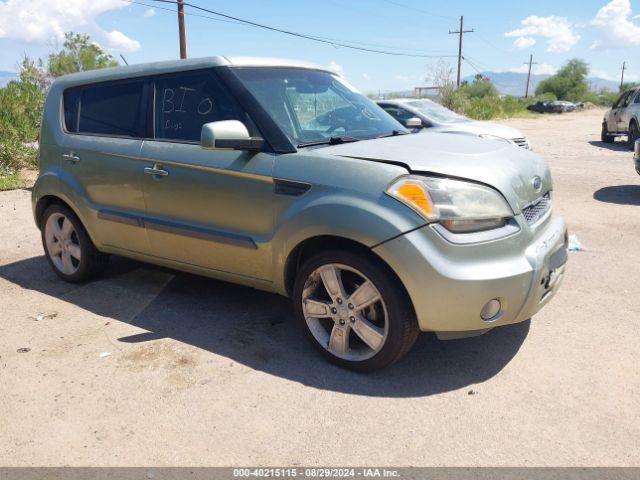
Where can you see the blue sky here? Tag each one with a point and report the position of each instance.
(603, 32)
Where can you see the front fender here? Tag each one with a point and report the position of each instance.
(363, 220)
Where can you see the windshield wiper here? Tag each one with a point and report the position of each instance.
(331, 141)
(393, 133)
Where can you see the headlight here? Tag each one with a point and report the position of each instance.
(460, 206)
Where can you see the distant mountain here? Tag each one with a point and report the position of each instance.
(6, 77)
(511, 83)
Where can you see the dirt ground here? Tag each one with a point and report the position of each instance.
(151, 367)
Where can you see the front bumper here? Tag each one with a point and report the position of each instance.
(449, 284)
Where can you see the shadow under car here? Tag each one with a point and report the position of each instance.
(258, 329)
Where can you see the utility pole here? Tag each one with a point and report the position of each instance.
(460, 33)
(624, 67)
(531, 62)
(183, 40)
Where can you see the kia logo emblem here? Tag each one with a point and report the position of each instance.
(536, 183)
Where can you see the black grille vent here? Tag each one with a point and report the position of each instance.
(521, 142)
(537, 209)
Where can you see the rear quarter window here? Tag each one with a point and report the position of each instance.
(72, 108)
(116, 109)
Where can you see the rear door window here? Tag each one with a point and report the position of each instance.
(115, 109)
(186, 101)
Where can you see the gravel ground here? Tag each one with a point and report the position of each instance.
(152, 367)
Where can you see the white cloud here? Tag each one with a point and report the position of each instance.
(45, 21)
(336, 68)
(119, 41)
(539, 69)
(150, 12)
(614, 26)
(524, 42)
(558, 32)
(366, 76)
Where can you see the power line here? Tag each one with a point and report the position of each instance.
(472, 65)
(492, 45)
(410, 7)
(481, 64)
(136, 2)
(208, 17)
(336, 42)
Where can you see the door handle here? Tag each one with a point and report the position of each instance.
(156, 171)
(71, 157)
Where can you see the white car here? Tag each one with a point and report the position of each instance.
(431, 116)
(623, 118)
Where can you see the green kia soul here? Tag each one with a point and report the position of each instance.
(281, 176)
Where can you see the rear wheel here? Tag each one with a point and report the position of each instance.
(634, 134)
(354, 311)
(70, 251)
(604, 136)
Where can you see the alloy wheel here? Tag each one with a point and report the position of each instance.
(63, 244)
(345, 312)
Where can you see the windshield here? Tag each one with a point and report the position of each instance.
(313, 106)
(436, 112)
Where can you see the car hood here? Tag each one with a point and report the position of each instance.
(507, 168)
(481, 128)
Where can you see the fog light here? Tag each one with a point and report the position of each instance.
(491, 310)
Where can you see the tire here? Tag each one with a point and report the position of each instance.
(362, 339)
(68, 248)
(634, 134)
(604, 136)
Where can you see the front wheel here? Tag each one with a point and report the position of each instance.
(604, 135)
(354, 310)
(634, 134)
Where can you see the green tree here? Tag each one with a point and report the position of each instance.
(22, 99)
(627, 85)
(78, 55)
(570, 83)
(481, 87)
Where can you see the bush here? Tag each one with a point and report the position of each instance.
(21, 101)
(15, 155)
(480, 88)
(570, 83)
(19, 125)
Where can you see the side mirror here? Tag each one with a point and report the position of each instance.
(414, 122)
(228, 135)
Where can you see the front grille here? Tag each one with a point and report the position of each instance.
(536, 210)
(521, 142)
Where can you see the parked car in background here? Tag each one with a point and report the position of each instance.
(431, 116)
(636, 156)
(557, 106)
(623, 118)
(281, 176)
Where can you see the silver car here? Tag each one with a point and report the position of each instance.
(623, 118)
(281, 176)
(427, 114)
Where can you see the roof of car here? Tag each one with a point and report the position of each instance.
(170, 66)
